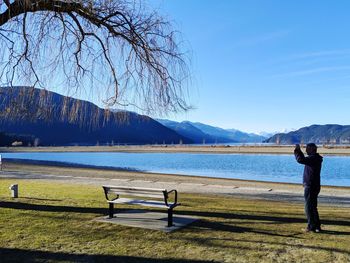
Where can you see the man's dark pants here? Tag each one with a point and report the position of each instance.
(313, 219)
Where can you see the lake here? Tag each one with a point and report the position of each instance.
(262, 167)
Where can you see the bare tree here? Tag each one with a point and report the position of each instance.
(117, 48)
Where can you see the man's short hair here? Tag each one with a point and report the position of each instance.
(312, 147)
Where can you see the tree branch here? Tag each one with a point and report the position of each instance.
(104, 44)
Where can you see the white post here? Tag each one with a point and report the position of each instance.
(14, 190)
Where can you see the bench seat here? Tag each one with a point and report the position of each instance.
(150, 203)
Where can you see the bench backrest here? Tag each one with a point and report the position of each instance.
(153, 193)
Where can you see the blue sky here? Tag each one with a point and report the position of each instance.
(265, 65)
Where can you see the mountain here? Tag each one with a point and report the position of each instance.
(220, 135)
(187, 130)
(320, 134)
(267, 134)
(200, 132)
(53, 119)
(228, 135)
(246, 137)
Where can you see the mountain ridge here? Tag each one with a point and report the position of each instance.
(59, 120)
(320, 134)
(211, 134)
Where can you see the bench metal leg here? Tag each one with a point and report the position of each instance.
(170, 217)
(111, 210)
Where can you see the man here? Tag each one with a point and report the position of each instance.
(311, 182)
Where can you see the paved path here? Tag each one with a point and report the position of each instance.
(245, 189)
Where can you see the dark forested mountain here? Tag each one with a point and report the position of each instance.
(321, 134)
(52, 119)
(200, 132)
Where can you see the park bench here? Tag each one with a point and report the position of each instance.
(151, 197)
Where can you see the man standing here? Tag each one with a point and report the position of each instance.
(311, 182)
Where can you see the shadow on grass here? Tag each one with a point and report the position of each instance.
(225, 243)
(301, 246)
(201, 214)
(332, 232)
(276, 219)
(41, 199)
(53, 208)
(232, 227)
(23, 255)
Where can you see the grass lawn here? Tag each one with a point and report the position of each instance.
(53, 222)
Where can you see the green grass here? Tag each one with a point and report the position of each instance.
(53, 222)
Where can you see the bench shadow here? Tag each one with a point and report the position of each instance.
(24, 255)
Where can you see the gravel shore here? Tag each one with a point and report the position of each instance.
(224, 149)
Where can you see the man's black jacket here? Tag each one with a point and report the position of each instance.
(312, 168)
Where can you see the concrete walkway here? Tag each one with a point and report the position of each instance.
(202, 185)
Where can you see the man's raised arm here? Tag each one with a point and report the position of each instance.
(299, 155)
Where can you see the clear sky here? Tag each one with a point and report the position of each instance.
(265, 65)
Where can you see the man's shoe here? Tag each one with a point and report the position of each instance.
(318, 230)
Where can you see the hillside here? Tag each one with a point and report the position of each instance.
(320, 134)
(228, 135)
(199, 133)
(53, 119)
(187, 130)
(246, 137)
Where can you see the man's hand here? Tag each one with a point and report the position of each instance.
(297, 147)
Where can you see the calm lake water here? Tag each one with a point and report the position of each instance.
(262, 167)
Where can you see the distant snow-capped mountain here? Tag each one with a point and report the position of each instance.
(200, 133)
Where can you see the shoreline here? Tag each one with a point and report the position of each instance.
(14, 173)
(63, 165)
(212, 149)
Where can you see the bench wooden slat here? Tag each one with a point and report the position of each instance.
(113, 188)
(149, 203)
(129, 191)
(149, 195)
